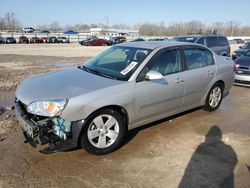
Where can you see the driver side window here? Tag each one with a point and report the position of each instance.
(168, 62)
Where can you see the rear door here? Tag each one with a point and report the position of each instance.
(199, 72)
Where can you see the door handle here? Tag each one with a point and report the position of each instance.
(179, 80)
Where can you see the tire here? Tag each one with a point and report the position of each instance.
(104, 132)
(214, 97)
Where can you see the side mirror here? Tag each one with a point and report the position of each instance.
(153, 75)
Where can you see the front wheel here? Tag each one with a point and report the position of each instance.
(104, 132)
(214, 97)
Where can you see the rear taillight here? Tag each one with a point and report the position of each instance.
(234, 67)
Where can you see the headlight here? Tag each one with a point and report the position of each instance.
(48, 108)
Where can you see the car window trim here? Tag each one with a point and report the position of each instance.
(198, 47)
(140, 77)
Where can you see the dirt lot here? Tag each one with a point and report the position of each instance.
(188, 150)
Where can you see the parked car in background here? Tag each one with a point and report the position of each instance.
(62, 40)
(218, 43)
(23, 39)
(10, 40)
(242, 76)
(28, 30)
(239, 41)
(86, 39)
(52, 39)
(45, 39)
(36, 40)
(243, 49)
(94, 41)
(2, 41)
(154, 39)
(126, 86)
(70, 32)
(137, 40)
(45, 32)
(116, 40)
(232, 41)
(247, 40)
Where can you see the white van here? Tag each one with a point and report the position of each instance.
(28, 30)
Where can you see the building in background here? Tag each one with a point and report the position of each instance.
(111, 32)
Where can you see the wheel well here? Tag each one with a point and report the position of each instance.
(119, 109)
(222, 83)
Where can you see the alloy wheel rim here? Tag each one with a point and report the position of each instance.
(215, 97)
(103, 131)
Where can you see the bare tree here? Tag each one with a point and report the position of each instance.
(43, 27)
(81, 27)
(194, 27)
(219, 27)
(55, 27)
(175, 28)
(150, 29)
(94, 26)
(120, 26)
(2, 24)
(11, 22)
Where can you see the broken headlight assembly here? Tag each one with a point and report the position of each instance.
(48, 108)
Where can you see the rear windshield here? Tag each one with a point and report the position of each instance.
(247, 45)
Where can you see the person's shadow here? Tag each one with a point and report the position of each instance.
(212, 164)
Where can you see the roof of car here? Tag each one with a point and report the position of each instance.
(197, 36)
(153, 44)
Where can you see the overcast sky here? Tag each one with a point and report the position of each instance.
(130, 12)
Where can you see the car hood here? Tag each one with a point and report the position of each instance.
(243, 60)
(62, 85)
(241, 50)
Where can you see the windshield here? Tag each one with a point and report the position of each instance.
(247, 53)
(185, 39)
(247, 45)
(117, 62)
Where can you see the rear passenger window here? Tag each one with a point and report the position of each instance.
(212, 42)
(201, 41)
(197, 58)
(223, 41)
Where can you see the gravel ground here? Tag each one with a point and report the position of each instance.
(188, 150)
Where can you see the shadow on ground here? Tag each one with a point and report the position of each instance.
(212, 164)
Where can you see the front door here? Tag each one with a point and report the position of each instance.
(161, 97)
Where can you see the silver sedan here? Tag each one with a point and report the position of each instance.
(124, 87)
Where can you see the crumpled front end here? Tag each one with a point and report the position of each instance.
(60, 135)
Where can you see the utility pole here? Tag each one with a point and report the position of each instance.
(107, 30)
(8, 20)
(232, 28)
(13, 24)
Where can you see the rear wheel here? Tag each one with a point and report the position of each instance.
(104, 132)
(214, 97)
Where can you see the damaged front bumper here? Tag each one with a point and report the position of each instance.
(53, 131)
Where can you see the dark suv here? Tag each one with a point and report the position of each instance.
(218, 43)
(243, 49)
